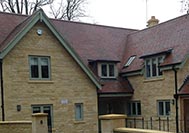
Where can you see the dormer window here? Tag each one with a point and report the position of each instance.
(152, 66)
(107, 70)
(153, 61)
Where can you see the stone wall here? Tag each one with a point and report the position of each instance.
(37, 125)
(132, 130)
(68, 84)
(115, 123)
(16, 127)
(148, 91)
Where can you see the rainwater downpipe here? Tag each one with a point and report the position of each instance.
(176, 99)
(2, 90)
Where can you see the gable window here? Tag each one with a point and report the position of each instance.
(134, 108)
(163, 107)
(78, 111)
(39, 67)
(44, 109)
(152, 67)
(107, 70)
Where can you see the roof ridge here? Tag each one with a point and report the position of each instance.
(155, 26)
(15, 14)
(90, 24)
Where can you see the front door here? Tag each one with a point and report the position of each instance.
(186, 115)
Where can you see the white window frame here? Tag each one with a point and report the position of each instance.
(79, 112)
(130, 109)
(108, 74)
(39, 58)
(149, 62)
(164, 107)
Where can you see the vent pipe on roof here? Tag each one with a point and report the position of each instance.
(152, 22)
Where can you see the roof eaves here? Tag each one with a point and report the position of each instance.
(184, 82)
(166, 52)
(103, 60)
(72, 52)
(33, 19)
(116, 94)
(183, 62)
(177, 65)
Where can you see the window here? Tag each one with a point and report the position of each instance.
(78, 111)
(134, 108)
(152, 67)
(107, 70)
(44, 109)
(130, 60)
(39, 67)
(164, 107)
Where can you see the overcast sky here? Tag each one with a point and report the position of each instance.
(131, 13)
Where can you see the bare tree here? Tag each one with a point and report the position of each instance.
(23, 6)
(185, 6)
(68, 9)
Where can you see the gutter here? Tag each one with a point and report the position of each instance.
(2, 90)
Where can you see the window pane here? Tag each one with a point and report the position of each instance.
(160, 107)
(129, 109)
(167, 108)
(138, 109)
(34, 67)
(47, 109)
(154, 67)
(36, 110)
(44, 68)
(160, 60)
(79, 111)
(33, 61)
(148, 68)
(104, 70)
(134, 108)
(111, 71)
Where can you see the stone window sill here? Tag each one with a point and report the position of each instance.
(40, 82)
(79, 122)
(153, 79)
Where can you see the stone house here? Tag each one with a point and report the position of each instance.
(76, 71)
(40, 72)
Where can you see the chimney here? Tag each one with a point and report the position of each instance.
(152, 22)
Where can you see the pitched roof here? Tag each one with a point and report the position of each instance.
(94, 42)
(22, 27)
(172, 34)
(116, 86)
(97, 42)
(9, 24)
(184, 89)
